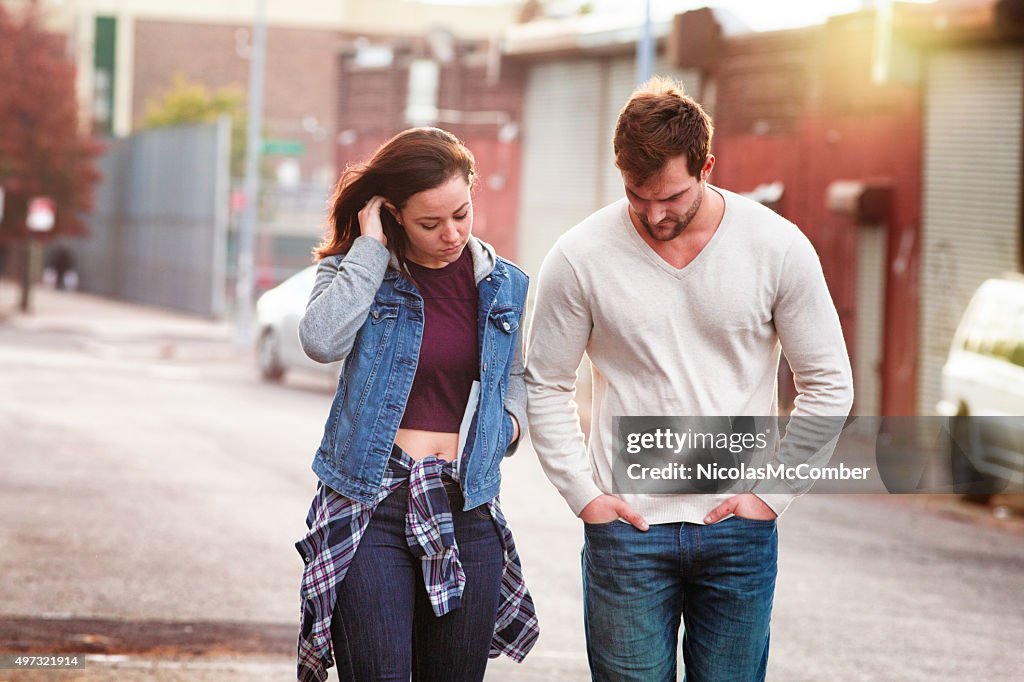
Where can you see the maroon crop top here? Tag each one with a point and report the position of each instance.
(450, 352)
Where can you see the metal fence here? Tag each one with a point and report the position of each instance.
(159, 232)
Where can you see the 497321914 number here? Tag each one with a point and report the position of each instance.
(30, 661)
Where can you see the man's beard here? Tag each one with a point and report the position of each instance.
(666, 232)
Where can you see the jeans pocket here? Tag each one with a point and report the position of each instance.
(599, 526)
(755, 522)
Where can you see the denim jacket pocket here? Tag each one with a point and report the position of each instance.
(382, 311)
(506, 319)
(506, 322)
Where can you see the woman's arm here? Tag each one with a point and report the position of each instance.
(341, 299)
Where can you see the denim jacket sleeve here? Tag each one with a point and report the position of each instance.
(341, 299)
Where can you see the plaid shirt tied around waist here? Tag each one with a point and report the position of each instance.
(336, 525)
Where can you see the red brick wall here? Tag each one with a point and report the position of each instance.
(799, 107)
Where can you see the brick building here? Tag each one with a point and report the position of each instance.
(799, 109)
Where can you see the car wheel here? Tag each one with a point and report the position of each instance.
(269, 354)
(975, 485)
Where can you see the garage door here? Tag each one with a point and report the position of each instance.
(971, 191)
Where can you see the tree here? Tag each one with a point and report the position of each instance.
(42, 152)
(192, 102)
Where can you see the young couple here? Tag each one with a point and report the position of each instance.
(681, 294)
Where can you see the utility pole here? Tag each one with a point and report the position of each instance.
(39, 219)
(247, 229)
(645, 48)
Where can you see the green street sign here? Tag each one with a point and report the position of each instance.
(283, 147)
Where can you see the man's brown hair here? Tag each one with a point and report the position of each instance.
(660, 122)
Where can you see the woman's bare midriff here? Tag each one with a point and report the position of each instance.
(419, 444)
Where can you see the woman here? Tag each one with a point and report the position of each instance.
(410, 566)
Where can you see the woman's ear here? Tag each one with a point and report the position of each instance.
(393, 211)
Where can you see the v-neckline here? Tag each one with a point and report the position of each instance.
(696, 263)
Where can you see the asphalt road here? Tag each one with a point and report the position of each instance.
(152, 489)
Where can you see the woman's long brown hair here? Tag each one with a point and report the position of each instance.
(412, 161)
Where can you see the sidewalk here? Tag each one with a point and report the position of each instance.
(143, 332)
(128, 334)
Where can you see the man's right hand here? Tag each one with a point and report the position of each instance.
(607, 508)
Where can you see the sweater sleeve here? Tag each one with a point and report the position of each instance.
(812, 339)
(515, 396)
(341, 299)
(559, 333)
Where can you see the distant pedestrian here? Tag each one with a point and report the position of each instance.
(61, 262)
(680, 293)
(410, 566)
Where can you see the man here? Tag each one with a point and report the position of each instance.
(681, 294)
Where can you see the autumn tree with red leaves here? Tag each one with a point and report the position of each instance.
(42, 152)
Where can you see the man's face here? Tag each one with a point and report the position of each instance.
(666, 204)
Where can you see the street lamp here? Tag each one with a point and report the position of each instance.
(645, 48)
(247, 228)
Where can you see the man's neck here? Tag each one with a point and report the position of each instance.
(679, 252)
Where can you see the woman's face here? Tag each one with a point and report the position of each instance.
(438, 223)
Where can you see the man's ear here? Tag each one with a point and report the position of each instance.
(709, 163)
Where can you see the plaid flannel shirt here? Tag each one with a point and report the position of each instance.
(336, 525)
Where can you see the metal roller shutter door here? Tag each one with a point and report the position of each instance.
(971, 192)
(568, 166)
(561, 153)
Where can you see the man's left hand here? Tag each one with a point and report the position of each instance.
(745, 505)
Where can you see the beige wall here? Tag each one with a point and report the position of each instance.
(402, 16)
(389, 16)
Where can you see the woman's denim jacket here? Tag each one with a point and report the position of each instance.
(368, 314)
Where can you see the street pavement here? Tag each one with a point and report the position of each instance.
(153, 488)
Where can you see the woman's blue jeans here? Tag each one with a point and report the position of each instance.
(719, 579)
(383, 627)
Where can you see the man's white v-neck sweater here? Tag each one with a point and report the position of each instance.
(693, 341)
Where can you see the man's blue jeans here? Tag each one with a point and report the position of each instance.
(720, 579)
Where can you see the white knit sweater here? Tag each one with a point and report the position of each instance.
(701, 340)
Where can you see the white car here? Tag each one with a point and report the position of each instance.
(278, 312)
(983, 388)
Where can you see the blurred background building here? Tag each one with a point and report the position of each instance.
(891, 135)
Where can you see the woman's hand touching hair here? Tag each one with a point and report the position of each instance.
(370, 224)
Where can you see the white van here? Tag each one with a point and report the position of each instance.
(983, 385)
